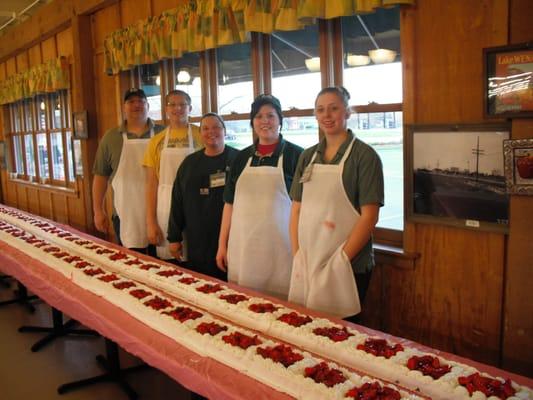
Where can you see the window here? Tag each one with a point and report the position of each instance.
(150, 82)
(294, 66)
(374, 84)
(235, 92)
(186, 77)
(40, 140)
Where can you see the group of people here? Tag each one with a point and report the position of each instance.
(290, 223)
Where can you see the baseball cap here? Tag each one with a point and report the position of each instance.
(134, 92)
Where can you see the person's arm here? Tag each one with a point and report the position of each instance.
(153, 231)
(293, 225)
(362, 230)
(225, 226)
(101, 221)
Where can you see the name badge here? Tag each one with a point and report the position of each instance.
(204, 191)
(306, 175)
(217, 180)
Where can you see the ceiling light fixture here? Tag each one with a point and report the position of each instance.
(313, 64)
(183, 76)
(357, 60)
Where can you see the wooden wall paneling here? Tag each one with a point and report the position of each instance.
(35, 55)
(87, 7)
(455, 303)
(158, 6)
(49, 49)
(11, 194)
(48, 20)
(104, 22)
(76, 207)
(59, 207)
(3, 73)
(106, 97)
(64, 43)
(11, 66)
(22, 197)
(45, 204)
(83, 98)
(449, 75)
(132, 11)
(22, 61)
(33, 200)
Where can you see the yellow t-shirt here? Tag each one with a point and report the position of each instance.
(177, 138)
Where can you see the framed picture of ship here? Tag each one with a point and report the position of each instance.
(508, 81)
(455, 175)
(518, 154)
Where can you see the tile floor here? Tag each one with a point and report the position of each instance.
(30, 376)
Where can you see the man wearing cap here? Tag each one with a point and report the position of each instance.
(118, 159)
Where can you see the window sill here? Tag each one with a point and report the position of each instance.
(69, 191)
(394, 256)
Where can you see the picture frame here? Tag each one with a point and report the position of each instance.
(81, 129)
(508, 81)
(455, 176)
(518, 158)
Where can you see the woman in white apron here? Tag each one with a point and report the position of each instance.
(254, 242)
(159, 188)
(337, 192)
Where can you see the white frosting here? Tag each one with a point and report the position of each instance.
(290, 380)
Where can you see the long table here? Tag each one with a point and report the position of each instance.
(199, 374)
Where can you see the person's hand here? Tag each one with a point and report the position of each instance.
(222, 258)
(176, 250)
(101, 222)
(154, 233)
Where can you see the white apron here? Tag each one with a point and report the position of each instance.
(259, 255)
(171, 159)
(322, 276)
(128, 192)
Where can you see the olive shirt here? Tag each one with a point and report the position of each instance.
(291, 153)
(362, 178)
(177, 138)
(110, 148)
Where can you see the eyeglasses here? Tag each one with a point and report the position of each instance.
(180, 105)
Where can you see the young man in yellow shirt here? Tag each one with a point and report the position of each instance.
(162, 159)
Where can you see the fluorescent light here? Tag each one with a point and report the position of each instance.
(382, 56)
(183, 76)
(356, 60)
(313, 64)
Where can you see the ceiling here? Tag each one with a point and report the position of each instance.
(13, 12)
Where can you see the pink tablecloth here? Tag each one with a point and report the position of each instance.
(200, 374)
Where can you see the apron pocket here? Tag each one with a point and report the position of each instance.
(333, 289)
(297, 290)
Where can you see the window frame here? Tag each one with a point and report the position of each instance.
(35, 130)
(331, 52)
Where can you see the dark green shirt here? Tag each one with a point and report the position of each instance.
(291, 153)
(196, 208)
(362, 178)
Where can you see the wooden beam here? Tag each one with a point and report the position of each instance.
(47, 21)
(83, 98)
(87, 7)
